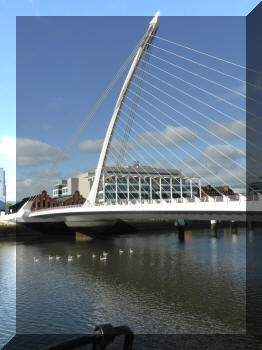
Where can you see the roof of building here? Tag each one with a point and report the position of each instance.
(62, 198)
(88, 174)
(138, 169)
(217, 189)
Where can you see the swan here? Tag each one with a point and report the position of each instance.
(58, 257)
(70, 258)
(50, 257)
(121, 251)
(103, 258)
(105, 254)
(93, 256)
(36, 259)
(78, 256)
(131, 251)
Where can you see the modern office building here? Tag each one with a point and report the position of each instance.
(82, 183)
(145, 182)
(2, 189)
(132, 182)
(60, 188)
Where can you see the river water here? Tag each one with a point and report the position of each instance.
(165, 286)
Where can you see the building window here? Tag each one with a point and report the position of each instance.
(64, 190)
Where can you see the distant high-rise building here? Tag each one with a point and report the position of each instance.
(2, 189)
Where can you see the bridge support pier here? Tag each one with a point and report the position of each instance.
(233, 227)
(213, 224)
(181, 230)
(250, 226)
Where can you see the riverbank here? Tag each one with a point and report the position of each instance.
(8, 229)
(11, 230)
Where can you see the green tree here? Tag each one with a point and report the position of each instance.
(8, 205)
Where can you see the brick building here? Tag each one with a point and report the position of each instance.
(44, 201)
(216, 191)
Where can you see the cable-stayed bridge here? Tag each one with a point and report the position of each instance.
(180, 119)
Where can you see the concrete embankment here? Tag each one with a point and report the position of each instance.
(7, 228)
(12, 229)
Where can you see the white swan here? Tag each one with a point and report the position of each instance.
(105, 254)
(93, 256)
(78, 256)
(121, 251)
(70, 258)
(50, 257)
(36, 259)
(131, 251)
(58, 257)
(103, 258)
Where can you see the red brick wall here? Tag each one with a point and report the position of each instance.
(44, 201)
(75, 199)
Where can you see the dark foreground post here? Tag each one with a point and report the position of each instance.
(104, 337)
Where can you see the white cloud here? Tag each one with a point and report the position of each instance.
(8, 149)
(240, 89)
(228, 131)
(29, 152)
(222, 155)
(214, 167)
(170, 136)
(34, 152)
(35, 182)
(91, 146)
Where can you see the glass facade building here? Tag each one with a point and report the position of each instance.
(145, 183)
(60, 189)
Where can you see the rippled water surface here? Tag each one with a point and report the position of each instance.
(7, 291)
(164, 286)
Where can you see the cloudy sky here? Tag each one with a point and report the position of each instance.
(64, 65)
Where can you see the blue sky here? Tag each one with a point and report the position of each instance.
(48, 129)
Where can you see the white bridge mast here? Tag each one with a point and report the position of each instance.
(148, 37)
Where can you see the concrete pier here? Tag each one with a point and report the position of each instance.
(250, 226)
(213, 224)
(233, 227)
(181, 229)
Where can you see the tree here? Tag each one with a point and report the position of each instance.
(8, 205)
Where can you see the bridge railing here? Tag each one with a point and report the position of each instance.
(55, 208)
(174, 200)
(133, 202)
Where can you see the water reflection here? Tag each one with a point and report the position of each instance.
(7, 291)
(164, 286)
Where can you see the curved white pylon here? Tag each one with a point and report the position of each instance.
(148, 37)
